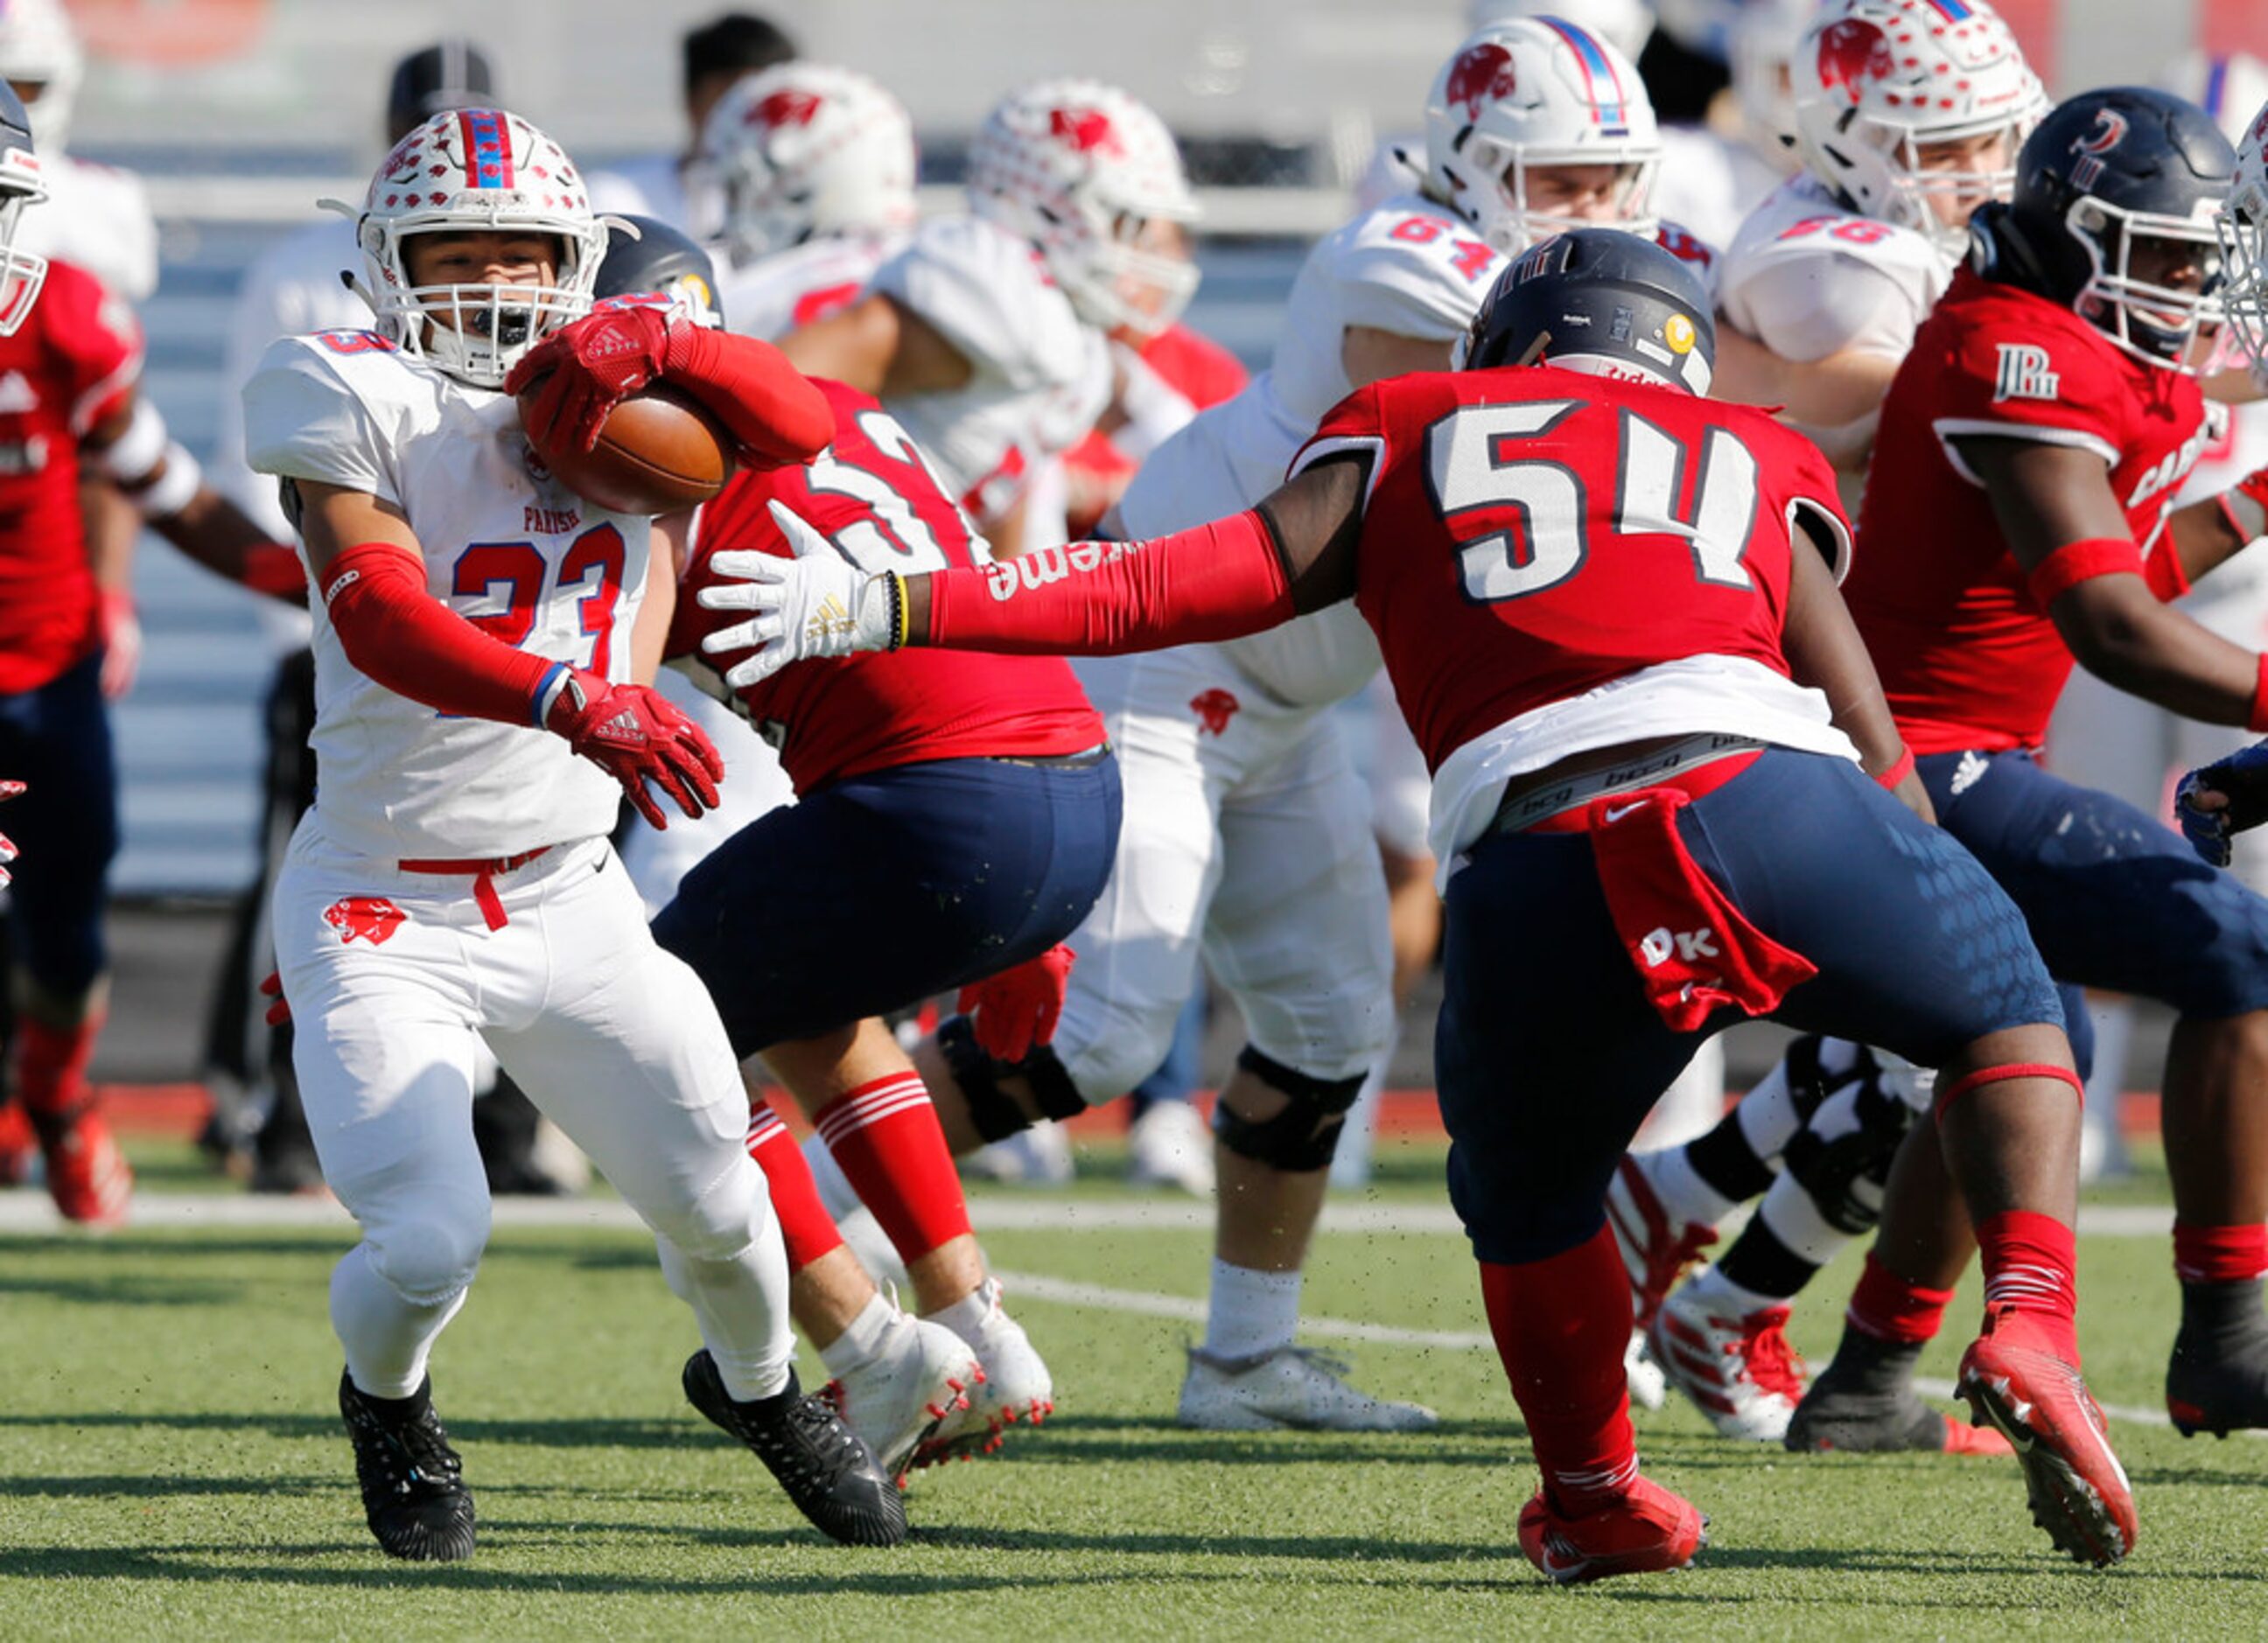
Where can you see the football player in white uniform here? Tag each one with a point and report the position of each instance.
(479, 626)
(1247, 835)
(816, 166)
(985, 334)
(1822, 291)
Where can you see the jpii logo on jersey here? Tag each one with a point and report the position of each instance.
(371, 918)
(2024, 373)
(1214, 709)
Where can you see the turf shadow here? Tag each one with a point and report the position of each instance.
(595, 1432)
(1318, 1547)
(99, 1486)
(1089, 1437)
(127, 1289)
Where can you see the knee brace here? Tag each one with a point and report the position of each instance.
(1302, 1137)
(991, 1109)
(1853, 1142)
(428, 1262)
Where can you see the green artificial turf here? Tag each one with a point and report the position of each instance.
(172, 1465)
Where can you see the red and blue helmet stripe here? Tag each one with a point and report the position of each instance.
(488, 149)
(1602, 80)
(1952, 10)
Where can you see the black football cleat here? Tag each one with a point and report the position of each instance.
(826, 1468)
(413, 1485)
(2217, 1387)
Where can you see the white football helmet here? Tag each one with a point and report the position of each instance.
(469, 171)
(39, 47)
(1760, 46)
(1087, 173)
(2242, 225)
(1626, 24)
(1531, 92)
(1877, 80)
(805, 148)
(21, 274)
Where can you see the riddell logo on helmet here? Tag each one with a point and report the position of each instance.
(371, 918)
(1851, 52)
(1480, 76)
(786, 108)
(1088, 130)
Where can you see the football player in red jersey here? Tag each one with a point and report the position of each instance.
(2020, 515)
(70, 356)
(956, 818)
(1609, 614)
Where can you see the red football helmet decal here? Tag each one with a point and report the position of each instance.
(1088, 130)
(1214, 709)
(371, 918)
(785, 108)
(1480, 76)
(1853, 52)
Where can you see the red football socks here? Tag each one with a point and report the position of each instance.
(2031, 1263)
(1561, 1327)
(807, 1229)
(885, 1136)
(2219, 1255)
(51, 1063)
(1891, 1308)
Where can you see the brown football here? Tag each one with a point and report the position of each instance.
(658, 451)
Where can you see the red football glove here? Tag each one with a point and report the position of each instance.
(280, 1011)
(638, 737)
(594, 362)
(8, 790)
(122, 644)
(1015, 1012)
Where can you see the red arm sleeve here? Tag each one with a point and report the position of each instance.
(775, 417)
(1217, 581)
(406, 640)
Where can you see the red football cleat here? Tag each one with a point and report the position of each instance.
(1656, 1253)
(1644, 1531)
(87, 1175)
(2079, 1491)
(17, 1145)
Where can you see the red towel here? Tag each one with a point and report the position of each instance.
(1693, 950)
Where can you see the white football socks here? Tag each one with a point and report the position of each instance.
(862, 1339)
(1249, 1314)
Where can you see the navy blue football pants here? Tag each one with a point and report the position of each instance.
(57, 739)
(1548, 1055)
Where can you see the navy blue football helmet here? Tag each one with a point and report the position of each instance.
(649, 256)
(1603, 298)
(2115, 196)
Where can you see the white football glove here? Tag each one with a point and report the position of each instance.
(816, 604)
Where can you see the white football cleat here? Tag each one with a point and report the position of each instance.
(1740, 1372)
(1292, 1388)
(1656, 1251)
(1649, 1387)
(920, 1377)
(1171, 1147)
(1036, 1157)
(1015, 1385)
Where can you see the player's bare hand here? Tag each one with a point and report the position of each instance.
(817, 604)
(637, 738)
(122, 644)
(8, 790)
(586, 369)
(2228, 796)
(1016, 1011)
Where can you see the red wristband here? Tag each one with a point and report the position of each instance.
(2079, 562)
(1902, 768)
(2163, 571)
(2259, 721)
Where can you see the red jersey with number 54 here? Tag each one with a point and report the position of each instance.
(1966, 655)
(1533, 537)
(74, 361)
(873, 493)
